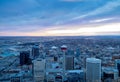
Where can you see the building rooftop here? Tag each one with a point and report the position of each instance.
(109, 70)
(75, 71)
(93, 60)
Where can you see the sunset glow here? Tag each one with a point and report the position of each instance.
(59, 17)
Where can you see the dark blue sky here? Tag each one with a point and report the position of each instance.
(53, 17)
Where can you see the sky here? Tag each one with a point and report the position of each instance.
(59, 17)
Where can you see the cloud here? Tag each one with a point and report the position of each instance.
(110, 6)
(102, 20)
(102, 29)
(26, 16)
(77, 30)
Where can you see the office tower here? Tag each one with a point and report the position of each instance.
(24, 58)
(69, 62)
(117, 65)
(35, 51)
(70, 52)
(42, 51)
(77, 52)
(39, 70)
(110, 73)
(93, 70)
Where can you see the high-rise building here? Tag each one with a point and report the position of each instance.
(70, 52)
(93, 70)
(109, 72)
(77, 52)
(24, 58)
(35, 51)
(39, 70)
(117, 65)
(69, 62)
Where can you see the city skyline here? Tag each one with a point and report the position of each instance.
(59, 17)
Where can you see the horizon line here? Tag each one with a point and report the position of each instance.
(62, 36)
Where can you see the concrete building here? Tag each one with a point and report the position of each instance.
(50, 78)
(35, 51)
(109, 73)
(117, 65)
(69, 62)
(39, 70)
(93, 70)
(24, 58)
(76, 75)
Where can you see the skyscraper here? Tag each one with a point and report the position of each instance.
(39, 70)
(93, 70)
(35, 51)
(117, 65)
(24, 58)
(69, 62)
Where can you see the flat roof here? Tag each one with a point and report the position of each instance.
(93, 60)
